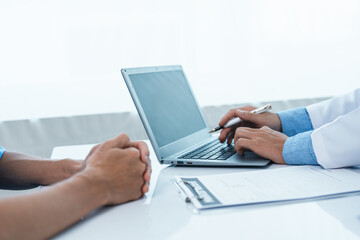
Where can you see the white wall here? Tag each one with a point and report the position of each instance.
(64, 57)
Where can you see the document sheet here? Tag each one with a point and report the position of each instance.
(271, 185)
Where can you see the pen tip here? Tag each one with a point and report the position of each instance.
(212, 130)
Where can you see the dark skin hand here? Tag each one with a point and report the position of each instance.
(260, 133)
(144, 157)
(20, 171)
(114, 172)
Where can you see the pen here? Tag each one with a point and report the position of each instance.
(235, 121)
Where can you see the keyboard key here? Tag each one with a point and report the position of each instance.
(214, 150)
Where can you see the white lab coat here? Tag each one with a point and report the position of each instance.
(336, 135)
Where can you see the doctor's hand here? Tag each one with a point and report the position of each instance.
(251, 120)
(265, 142)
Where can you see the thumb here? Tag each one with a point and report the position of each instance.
(246, 116)
(121, 141)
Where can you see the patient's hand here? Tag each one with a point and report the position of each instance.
(120, 168)
(251, 120)
(265, 142)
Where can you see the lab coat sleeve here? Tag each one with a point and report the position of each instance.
(327, 111)
(337, 144)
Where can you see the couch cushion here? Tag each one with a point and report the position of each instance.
(39, 136)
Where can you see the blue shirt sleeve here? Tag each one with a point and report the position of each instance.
(2, 150)
(299, 149)
(295, 121)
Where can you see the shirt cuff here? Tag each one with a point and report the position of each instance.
(299, 150)
(295, 121)
(2, 150)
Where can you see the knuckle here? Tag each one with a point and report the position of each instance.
(245, 109)
(226, 131)
(145, 189)
(260, 131)
(247, 115)
(139, 169)
(238, 148)
(133, 152)
(240, 142)
(230, 113)
(144, 147)
(249, 107)
(144, 166)
(125, 137)
(96, 147)
(237, 144)
(106, 143)
(264, 133)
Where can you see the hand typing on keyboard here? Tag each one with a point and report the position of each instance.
(260, 133)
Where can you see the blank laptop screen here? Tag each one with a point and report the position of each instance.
(169, 105)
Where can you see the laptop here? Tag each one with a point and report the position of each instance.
(174, 123)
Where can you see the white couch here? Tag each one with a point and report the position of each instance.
(39, 136)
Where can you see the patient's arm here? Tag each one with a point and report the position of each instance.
(20, 171)
(42, 214)
(115, 172)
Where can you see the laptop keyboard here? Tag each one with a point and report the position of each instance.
(211, 151)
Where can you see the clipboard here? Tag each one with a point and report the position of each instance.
(192, 190)
(288, 183)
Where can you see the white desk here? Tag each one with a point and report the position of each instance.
(164, 215)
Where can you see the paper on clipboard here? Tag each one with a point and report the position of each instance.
(272, 185)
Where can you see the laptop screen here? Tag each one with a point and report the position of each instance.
(168, 104)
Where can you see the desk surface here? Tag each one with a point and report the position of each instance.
(164, 215)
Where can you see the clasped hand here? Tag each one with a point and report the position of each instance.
(122, 167)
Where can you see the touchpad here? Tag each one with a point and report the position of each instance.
(248, 155)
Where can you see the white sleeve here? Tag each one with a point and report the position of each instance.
(337, 144)
(327, 111)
